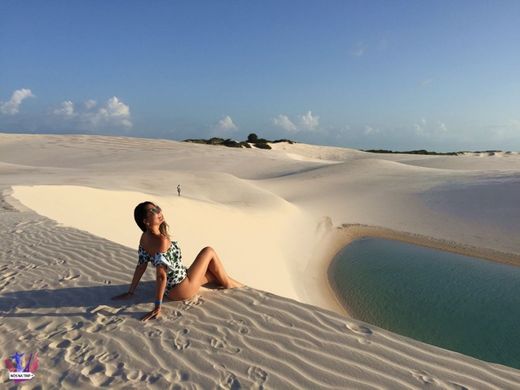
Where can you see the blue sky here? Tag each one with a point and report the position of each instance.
(363, 74)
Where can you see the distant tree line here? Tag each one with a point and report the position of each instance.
(252, 138)
(423, 151)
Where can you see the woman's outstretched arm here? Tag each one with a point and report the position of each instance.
(138, 273)
(160, 286)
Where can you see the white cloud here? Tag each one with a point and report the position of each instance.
(426, 82)
(285, 123)
(90, 104)
(12, 106)
(226, 124)
(114, 113)
(305, 122)
(66, 109)
(309, 122)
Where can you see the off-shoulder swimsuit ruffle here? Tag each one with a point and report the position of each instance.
(176, 273)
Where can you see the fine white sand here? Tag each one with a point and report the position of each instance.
(276, 217)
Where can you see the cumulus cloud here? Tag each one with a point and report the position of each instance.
(89, 104)
(66, 109)
(305, 122)
(12, 106)
(226, 124)
(285, 123)
(114, 113)
(309, 121)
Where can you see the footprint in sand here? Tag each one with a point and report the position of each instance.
(105, 310)
(238, 325)
(261, 298)
(174, 315)
(192, 302)
(61, 345)
(220, 344)
(427, 379)
(95, 373)
(180, 341)
(42, 326)
(107, 357)
(174, 376)
(133, 375)
(39, 284)
(275, 321)
(156, 332)
(103, 323)
(68, 276)
(360, 330)
(59, 261)
(422, 376)
(257, 375)
(79, 354)
(6, 280)
(72, 331)
(227, 380)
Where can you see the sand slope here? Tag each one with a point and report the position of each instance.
(55, 288)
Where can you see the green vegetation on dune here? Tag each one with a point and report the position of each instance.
(426, 152)
(252, 138)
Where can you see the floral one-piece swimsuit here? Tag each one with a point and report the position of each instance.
(172, 258)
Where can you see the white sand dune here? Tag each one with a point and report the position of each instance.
(69, 244)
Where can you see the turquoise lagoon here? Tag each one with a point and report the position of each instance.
(456, 302)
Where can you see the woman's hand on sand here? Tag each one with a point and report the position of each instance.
(155, 313)
(126, 295)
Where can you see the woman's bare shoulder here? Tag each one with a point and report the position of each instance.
(156, 244)
(164, 244)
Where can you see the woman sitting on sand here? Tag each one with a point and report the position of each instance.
(174, 280)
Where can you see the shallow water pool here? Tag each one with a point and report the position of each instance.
(456, 302)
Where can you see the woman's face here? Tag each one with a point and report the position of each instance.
(154, 215)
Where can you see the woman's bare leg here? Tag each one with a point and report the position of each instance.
(206, 267)
(208, 260)
(209, 278)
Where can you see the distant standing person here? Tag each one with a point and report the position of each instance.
(179, 189)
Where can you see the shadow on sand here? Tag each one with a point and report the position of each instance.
(82, 301)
